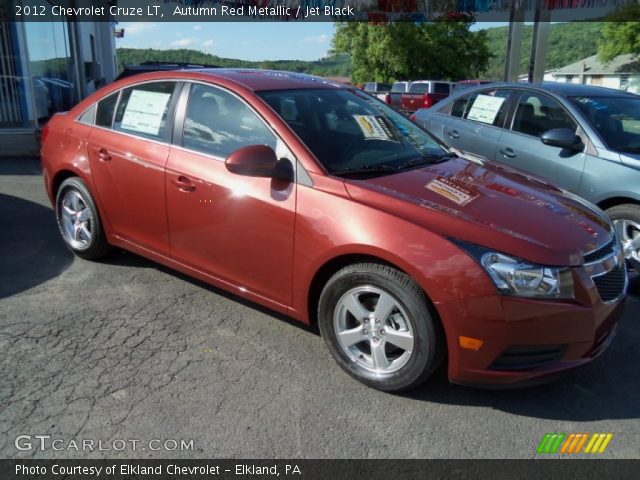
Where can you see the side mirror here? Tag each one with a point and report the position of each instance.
(253, 161)
(563, 138)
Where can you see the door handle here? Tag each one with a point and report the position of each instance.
(453, 134)
(507, 152)
(184, 184)
(103, 155)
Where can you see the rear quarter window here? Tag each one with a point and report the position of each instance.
(105, 110)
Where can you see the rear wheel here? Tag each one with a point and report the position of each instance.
(79, 221)
(626, 221)
(378, 325)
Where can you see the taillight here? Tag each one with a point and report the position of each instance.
(387, 98)
(427, 100)
(44, 133)
(412, 117)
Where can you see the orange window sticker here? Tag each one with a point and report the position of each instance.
(451, 190)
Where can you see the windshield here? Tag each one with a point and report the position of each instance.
(617, 120)
(349, 130)
(422, 87)
(399, 87)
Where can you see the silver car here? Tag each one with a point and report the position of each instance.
(583, 138)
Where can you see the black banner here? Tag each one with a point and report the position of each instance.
(376, 11)
(319, 469)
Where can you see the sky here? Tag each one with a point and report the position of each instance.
(244, 41)
(240, 40)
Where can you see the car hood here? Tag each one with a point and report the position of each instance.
(491, 205)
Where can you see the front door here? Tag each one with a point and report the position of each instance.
(236, 228)
(521, 147)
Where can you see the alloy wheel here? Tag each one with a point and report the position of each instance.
(628, 232)
(77, 220)
(374, 330)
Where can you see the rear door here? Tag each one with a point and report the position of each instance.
(476, 121)
(236, 228)
(520, 146)
(128, 150)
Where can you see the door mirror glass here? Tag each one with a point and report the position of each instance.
(563, 138)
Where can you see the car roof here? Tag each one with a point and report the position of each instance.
(257, 80)
(560, 88)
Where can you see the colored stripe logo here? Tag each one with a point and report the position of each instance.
(573, 443)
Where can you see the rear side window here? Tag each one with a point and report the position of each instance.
(218, 123)
(459, 106)
(487, 106)
(441, 88)
(105, 111)
(144, 109)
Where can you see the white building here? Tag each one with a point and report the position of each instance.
(47, 66)
(622, 73)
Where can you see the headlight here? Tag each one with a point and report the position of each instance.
(521, 279)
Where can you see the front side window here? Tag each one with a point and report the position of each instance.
(536, 113)
(617, 120)
(350, 131)
(218, 123)
(143, 110)
(441, 88)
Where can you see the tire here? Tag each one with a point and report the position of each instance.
(392, 348)
(79, 221)
(626, 220)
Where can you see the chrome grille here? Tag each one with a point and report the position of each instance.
(601, 252)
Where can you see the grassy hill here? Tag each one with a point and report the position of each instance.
(568, 43)
(330, 66)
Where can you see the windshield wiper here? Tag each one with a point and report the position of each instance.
(427, 160)
(365, 169)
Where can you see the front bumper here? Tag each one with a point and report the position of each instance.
(527, 341)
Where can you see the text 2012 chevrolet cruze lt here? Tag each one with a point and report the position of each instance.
(321, 202)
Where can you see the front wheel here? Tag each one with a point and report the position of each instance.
(79, 221)
(378, 325)
(626, 221)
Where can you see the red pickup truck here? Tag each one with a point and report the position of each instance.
(424, 94)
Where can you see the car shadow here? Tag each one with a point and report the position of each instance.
(124, 258)
(31, 250)
(604, 389)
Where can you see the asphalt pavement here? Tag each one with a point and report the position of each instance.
(140, 360)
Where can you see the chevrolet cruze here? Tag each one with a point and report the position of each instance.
(319, 201)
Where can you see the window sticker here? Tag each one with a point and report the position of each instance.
(144, 111)
(485, 109)
(451, 190)
(374, 127)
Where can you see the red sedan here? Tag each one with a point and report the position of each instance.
(319, 201)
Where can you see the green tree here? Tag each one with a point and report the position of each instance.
(621, 34)
(405, 50)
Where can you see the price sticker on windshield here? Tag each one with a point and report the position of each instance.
(374, 127)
